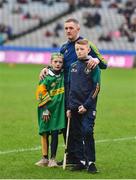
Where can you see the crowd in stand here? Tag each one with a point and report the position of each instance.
(128, 27)
(23, 13)
(126, 8)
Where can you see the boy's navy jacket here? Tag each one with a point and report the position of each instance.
(68, 50)
(84, 86)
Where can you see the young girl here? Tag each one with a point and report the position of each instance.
(51, 113)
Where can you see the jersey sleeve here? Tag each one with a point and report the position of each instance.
(103, 63)
(96, 87)
(42, 94)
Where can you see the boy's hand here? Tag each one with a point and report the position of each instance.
(81, 109)
(46, 115)
(43, 73)
(92, 63)
(68, 113)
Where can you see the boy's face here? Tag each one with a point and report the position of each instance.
(82, 51)
(57, 63)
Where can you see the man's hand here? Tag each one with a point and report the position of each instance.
(46, 115)
(81, 109)
(68, 113)
(92, 63)
(43, 73)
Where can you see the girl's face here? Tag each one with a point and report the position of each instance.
(57, 63)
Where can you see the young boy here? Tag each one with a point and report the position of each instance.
(51, 113)
(84, 86)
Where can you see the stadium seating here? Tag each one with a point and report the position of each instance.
(107, 35)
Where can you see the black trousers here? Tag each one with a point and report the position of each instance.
(54, 143)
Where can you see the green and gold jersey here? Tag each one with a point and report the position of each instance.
(50, 95)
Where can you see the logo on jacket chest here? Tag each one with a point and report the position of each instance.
(74, 70)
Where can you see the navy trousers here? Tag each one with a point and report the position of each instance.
(81, 145)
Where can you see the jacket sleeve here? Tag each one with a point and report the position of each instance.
(42, 94)
(102, 64)
(96, 87)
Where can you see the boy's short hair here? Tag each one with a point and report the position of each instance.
(82, 42)
(56, 55)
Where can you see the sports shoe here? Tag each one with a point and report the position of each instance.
(92, 168)
(68, 163)
(43, 162)
(52, 163)
(78, 167)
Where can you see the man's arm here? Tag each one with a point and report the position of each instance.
(43, 73)
(95, 52)
(96, 88)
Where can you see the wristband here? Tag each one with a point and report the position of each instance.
(45, 112)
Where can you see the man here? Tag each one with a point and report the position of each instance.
(72, 30)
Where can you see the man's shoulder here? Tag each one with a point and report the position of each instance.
(90, 42)
(63, 47)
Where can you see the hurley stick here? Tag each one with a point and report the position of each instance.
(66, 145)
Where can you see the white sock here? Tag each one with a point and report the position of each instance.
(83, 162)
(90, 162)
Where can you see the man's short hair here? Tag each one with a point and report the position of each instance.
(72, 20)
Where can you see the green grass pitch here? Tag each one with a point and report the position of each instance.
(115, 128)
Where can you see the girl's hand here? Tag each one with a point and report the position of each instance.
(46, 115)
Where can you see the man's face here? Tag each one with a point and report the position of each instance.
(57, 63)
(82, 51)
(71, 30)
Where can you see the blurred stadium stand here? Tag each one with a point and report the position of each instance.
(110, 24)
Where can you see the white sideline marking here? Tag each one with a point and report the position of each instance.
(39, 147)
(115, 140)
(20, 150)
